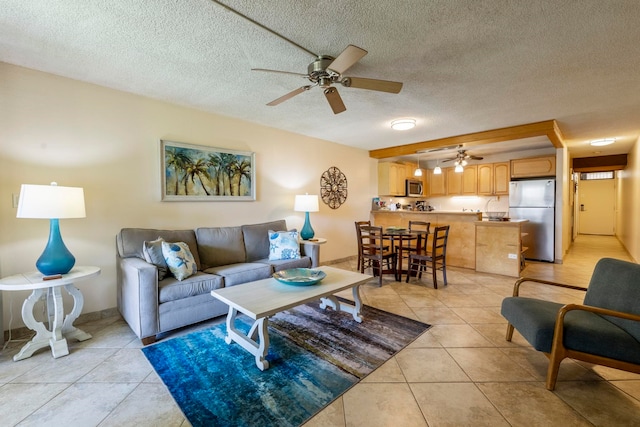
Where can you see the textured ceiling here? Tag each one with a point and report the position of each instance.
(467, 65)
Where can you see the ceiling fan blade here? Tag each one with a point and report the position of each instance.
(335, 100)
(448, 160)
(346, 59)
(372, 84)
(289, 95)
(278, 71)
(476, 158)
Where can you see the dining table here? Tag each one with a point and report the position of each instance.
(401, 239)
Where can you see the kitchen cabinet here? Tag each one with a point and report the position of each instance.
(533, 167)
(462, 183)
(493, 179)
(437, 183)
(391, 179)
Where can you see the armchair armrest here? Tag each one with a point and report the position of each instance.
(597, 310)
(516, 286)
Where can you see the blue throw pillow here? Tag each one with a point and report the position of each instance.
(283, 245)
(152, 252)
(179, 259)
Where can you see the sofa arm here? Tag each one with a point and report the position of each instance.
(138, 295)
(312, 250)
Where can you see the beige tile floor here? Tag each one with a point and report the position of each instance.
(459, 373)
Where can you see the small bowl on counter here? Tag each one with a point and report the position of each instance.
(495, 216)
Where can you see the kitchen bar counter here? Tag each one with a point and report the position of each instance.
(499, 247)
(461, 246)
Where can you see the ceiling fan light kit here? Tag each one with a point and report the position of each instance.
(461, 159)
(403, 124)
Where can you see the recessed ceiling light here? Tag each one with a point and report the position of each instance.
(403, 124)
(601, 142)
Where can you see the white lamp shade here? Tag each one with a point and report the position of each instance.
(51, 201)
(306, 203)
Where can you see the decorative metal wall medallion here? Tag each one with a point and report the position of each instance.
(333, 187)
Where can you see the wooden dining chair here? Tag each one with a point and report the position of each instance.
(421, 227)
(435, 259)
(358, 234)
(375, 253)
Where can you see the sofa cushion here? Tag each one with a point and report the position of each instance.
(179, 259)
(235, 274)
(283, 245)
(256, 238)
(171, 289)
(152, 252)
(220, 246)
(130, 241)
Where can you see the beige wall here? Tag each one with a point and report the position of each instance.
(627, 227)
(56, 129)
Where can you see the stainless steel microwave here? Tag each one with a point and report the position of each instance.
(414, 188)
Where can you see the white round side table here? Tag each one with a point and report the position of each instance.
(60, 327)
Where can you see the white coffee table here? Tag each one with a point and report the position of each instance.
(60, 327)
(264, 298)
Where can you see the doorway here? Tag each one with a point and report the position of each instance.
(596, 206)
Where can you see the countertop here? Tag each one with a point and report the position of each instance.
(512, 222)
(435, 212)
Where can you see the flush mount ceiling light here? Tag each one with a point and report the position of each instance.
(602, 142)
(403, 124)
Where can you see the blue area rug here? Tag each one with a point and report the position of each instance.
(315, 355)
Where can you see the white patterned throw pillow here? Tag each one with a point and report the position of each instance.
(283, 245)
(179, 259)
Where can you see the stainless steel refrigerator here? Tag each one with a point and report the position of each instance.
(535, 200)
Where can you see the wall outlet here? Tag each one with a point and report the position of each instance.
(513, 256)
(15, 198)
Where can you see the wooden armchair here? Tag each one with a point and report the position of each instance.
(604, 330)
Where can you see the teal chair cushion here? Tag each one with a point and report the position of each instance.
(615, 285)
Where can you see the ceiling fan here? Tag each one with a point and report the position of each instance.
(325, 71)
(462, 157)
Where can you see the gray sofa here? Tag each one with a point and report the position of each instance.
(225, 256)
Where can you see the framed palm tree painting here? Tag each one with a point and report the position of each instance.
(196, 173)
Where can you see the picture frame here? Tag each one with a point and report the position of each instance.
(201, 173)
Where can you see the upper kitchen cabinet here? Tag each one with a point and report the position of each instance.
(463, 183)
(493, 179)
(533, 167)
(437, 183)
(391, 179)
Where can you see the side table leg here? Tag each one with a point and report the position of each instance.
(68, 330)
(44, 337)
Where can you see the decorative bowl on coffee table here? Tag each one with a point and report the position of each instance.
(299, 276)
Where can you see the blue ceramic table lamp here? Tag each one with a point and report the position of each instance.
(52, 202)
(306, 203)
